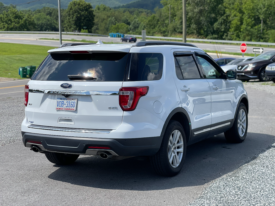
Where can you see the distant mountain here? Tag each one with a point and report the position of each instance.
(143, 4)
(33, 5)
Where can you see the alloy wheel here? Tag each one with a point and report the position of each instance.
(175, 148)
(242, 123)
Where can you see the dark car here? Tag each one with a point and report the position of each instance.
(129, 39)
(255, 69)
(223, 61)
(270, 72)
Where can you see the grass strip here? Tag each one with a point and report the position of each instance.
(14, 56)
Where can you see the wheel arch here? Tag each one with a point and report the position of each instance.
(180, 115)
(245, 101)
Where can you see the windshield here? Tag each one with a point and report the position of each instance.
(235, 62)
(265, 56)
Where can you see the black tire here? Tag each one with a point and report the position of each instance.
(61, 159)
(262, 76)
(232, 135)
(273, 80)
(160, 161)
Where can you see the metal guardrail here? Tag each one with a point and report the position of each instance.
(208, 40)
(151, 37)
(51, 32)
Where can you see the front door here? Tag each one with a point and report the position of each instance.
(195, 94)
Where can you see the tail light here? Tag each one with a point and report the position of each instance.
(26, 94)
(129, 97)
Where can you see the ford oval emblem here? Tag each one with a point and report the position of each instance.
(66, 86)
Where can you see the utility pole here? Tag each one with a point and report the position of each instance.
(59, 20)
(184, 21)
(169, 17)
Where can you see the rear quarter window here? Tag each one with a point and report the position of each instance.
(145, 67)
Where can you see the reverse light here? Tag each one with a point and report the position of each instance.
(129, 97)
(26, 94)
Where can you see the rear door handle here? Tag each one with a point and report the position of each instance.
(215, 87)
(185, 89)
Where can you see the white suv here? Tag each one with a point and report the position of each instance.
(147, 99)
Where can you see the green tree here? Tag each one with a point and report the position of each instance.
(79, 15)
(44, 22)
(14, 20)
(120, 28)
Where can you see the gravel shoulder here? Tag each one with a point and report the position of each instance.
(254, 182)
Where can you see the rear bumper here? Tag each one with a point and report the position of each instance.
(77, 145)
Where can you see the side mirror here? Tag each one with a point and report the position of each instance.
(231, 74)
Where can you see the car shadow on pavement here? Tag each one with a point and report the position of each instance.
(205, 162)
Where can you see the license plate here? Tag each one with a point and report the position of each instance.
(64, 104)
(240, 73)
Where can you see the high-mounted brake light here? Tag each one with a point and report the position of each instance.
(26, 94)
(79, 52)
(129, 97)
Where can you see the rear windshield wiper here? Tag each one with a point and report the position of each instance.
(80, 77)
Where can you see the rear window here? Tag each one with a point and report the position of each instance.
(101, 67)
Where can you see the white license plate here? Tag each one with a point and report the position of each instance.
(64, 104)
(240, 73)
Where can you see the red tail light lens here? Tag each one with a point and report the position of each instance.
(129, 97)
(26, 94)
(34, 142)
(96, 147)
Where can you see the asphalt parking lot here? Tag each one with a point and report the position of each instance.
(215, 172)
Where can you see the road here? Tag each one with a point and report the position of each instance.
(27, 178)
(34, 39)
(12, 88)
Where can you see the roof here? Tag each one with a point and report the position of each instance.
(126, 47)
(95, 47)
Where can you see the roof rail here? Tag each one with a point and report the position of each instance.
(155, 43)
(75, 44)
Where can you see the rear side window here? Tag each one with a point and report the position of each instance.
(95, 66)
(145, 67)
(186, 68)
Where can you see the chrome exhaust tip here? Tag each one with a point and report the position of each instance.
(104, 155)
(35, 148)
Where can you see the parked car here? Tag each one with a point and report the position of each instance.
(233, 64)
(129, 39)
(223, 61)
(270, 71)
(255, 69)
(118, 100)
